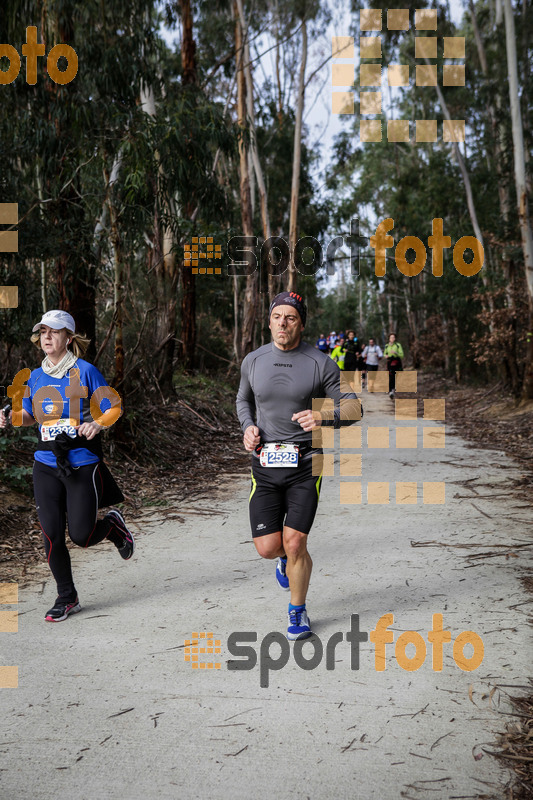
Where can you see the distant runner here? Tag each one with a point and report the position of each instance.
(372, 353)
(322, 343)
(70, 480)
(394, 354)
(278, 384)
(339, 352)
(353, 350)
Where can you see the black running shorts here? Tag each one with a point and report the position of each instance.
(283, 496)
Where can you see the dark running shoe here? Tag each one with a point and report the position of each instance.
(126, 549)
(62, 609)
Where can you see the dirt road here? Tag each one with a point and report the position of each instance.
(108, 707)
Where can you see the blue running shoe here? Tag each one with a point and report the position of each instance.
(299, 625)
(281, 573)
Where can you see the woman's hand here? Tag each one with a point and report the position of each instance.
(4, 419)
(89, 429)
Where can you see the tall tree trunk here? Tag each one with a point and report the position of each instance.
(251, 295)
(188, 281)
(296, 162)
(273, 280)
(118, 287)
(497, 128)
(520, 182)
(75, 277)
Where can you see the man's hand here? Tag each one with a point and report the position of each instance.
(89, 429)
(308, 419)
(251, 437)
(4, 418)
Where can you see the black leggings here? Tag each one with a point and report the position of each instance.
(75, 498)
(392, 373)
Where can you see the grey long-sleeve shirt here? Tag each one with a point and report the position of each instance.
(275, 384)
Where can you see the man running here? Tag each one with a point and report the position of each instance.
(274, 402)
(353, 351)
(372, 353)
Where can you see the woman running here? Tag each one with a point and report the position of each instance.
(393, 353)
(70, 480)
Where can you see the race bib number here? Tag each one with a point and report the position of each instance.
(50, 432)
(279, 455)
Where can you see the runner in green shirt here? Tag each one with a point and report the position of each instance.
(339, 352)
(394, 354)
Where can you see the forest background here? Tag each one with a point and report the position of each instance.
(188, 119)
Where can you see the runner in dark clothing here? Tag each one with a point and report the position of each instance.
(353, 351)
(69, 477)
(274, 402)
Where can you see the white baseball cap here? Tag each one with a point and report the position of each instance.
(56, 319)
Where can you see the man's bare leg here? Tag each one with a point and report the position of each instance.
(293, 544)
(299, 564)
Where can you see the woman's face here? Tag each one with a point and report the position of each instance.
(54, 343)
(392, 338)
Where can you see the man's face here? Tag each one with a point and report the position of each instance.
(371, 342)
(341, 341)
(286, 327)
(351, 336)
(392, 338)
